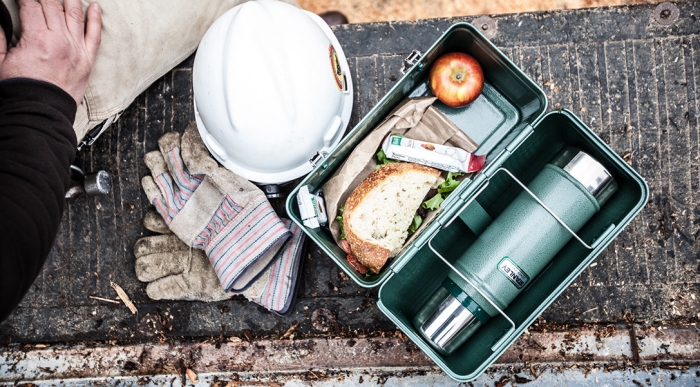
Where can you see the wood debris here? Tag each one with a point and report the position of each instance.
(104, 299)
(289, 331)
(191, 375)
(125, 299)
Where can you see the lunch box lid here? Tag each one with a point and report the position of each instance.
(505, 111)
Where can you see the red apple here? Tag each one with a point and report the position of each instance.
(456, 79)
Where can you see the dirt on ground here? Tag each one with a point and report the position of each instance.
(366, 11)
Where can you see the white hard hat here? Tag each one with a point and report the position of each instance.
(272, 90)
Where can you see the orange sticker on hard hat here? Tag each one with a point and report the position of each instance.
(335, 66)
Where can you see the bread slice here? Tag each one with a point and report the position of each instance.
(380, 210)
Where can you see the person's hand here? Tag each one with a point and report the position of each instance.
(56, 45)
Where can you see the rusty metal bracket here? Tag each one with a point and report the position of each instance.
(666, 13)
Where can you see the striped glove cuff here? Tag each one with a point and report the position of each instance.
(275, 289)
(241, 241)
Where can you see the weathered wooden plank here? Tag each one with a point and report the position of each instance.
(692, 53)
(531, 63)
(678, 154)
(638, 265)
(616, 119)
(650, 162)
(390, 72)
(523, 29)
(591, 78)
(665, 209)
(366, 86)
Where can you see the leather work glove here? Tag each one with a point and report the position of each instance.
(210, 208)
(176, 271)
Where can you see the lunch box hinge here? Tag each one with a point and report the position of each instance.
(405, 257)
(520, 138)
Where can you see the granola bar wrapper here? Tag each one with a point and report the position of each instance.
(415, 118)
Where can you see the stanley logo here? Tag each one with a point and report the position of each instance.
(513, 272)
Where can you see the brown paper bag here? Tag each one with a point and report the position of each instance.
(417, 119)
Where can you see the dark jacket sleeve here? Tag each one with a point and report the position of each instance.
(37, 146)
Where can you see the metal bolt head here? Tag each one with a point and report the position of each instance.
(666, 13)
(486, 25)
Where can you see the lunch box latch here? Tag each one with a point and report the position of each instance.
(317, 158)
(411, 60)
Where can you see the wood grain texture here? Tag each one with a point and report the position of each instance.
(632, 80)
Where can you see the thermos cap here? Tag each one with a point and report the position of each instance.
(447, 321)
(586, 170)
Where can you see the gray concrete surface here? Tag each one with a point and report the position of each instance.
(548, 376)
(611, 353)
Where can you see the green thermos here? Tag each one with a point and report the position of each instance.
(515, 247)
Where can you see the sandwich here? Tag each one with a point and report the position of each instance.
(378, 214)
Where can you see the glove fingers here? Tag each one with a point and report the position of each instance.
(158, 244)
(153, 221)
(168, 142)
(161, 176)
(151, 189)
(177, 288)
(170, 148)
(169, 288)
(195, 153)
(182, 287)
(154, 266)
(156, 163)
(155, 197)
(176, 271)
(160, 256)
(160, 188)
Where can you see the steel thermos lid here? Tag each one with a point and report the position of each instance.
(447, 321)
(587, 171)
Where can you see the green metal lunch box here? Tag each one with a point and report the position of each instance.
(508, 122)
